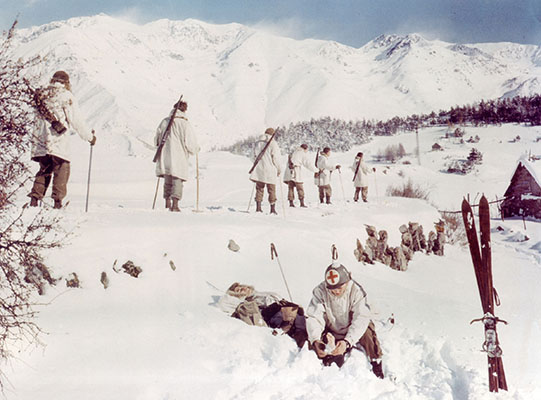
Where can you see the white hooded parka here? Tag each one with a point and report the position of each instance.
(63, 106)
(325, 169)
(180, 144)
(361, 179)
(299, 158)
(346, 316)
(268, 167)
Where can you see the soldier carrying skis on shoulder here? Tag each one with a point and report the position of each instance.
(338, 319)
(266, 169)
(175, 145)
(360, 181)
(323, 179)
(292, 175)
(58, 116)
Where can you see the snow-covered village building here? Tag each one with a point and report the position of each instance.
(523, 196)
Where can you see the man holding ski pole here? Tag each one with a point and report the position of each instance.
(323, 180)
(58, 116)
(292, 175)
(338, 319)
(176, 142)
(266, 169)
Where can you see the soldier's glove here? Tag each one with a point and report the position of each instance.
(93, 140)
(319, 348)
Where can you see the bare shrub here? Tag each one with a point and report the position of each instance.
(391, 153)
(454, 228)
(24, 234)
(408, 189)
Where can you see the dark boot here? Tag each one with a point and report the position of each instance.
(356, 196)
(57, 204)
(33, 202)
(258, 206)
(377, 369)
(168, 203)
(302, 203)
(291, 203)
(174, 205)
(273, 209)
(328, 199)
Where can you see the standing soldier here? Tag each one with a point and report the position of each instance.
(265, 171)
(360, 180)
(292, 174)
(324, 175)
(172, 164)
(58, 116)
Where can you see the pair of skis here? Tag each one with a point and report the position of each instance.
(482, 264)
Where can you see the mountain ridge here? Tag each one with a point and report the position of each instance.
(238, 79)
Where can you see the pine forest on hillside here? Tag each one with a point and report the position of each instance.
(341, 135)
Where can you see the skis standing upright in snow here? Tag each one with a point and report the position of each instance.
(482, 264)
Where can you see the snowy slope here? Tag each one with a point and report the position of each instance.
(239, 80)
(160, 336)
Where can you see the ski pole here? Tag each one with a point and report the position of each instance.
(197, 210)
(342, 184)
(275, 253)
(197, 178)
(156, 193)
(376, 185)
(282, 197)
(250, 201)
(89, 169)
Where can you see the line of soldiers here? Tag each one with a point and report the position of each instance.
(267, 169)
(58, 116)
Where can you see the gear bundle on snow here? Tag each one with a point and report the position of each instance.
(482, 264)
(289, 317)
(265, 309)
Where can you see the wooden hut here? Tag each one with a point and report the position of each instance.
(523, 196)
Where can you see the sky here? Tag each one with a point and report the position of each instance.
(351, 22)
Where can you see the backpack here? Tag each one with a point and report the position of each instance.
(274, 316)
(248, 311)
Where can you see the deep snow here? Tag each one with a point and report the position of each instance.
(161, 336)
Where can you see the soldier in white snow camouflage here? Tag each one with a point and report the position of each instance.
(266, 171)
(323, 180)
(58, 116)
(293, 174)
(172, 164)
(338, 318)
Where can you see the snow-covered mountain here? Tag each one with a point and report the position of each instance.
(239, 80)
